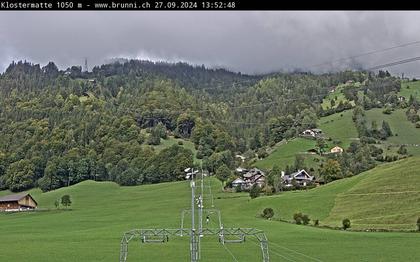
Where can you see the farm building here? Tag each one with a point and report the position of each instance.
(17, 202)
(241, 170)
(301, 178)
(336, 149)
(241, 157)
(239, 182)
(312, 132)
(249, 178)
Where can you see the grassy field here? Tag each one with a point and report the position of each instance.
(410, 88)
(387, 197)
(340, 127)
(285, 153)
(102, 211)
(337, 95)
(164, 143)
(403, 130)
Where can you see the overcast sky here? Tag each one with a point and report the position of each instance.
(250, 42)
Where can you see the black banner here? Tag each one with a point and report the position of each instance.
(106, 5)
(150, 5)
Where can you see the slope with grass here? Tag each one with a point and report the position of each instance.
(410, 88)
(339, 127)
(102, 211)
(404, 131)
(386, 197)
(338, 96)
(164, 143)
(285, 153)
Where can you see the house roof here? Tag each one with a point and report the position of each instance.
(240, 169)
(336, 148)
(238, 180)
(308, 130)
(253, 172)
(241, 157)
(295, 174)
(16, 197)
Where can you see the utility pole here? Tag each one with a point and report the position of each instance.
(192, 200)
(193, 239)
(200, 214)
(86, 65)
(201, 204)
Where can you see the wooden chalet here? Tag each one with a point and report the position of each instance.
(17, 202)
(249, 178)
(301, 178)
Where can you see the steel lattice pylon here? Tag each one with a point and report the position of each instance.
(206, 211)
(162, 235)
(145, 234)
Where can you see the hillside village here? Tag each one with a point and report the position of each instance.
(327, 145)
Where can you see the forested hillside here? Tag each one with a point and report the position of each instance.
(62, 127)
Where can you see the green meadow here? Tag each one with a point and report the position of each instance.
(410, 88)
(101, 212)
(285, 153)
(339, 127)
(404, 132)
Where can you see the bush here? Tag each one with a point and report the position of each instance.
(238, 189)
(402, 150)
(367, 140)
(180, 143)
(301, 218)
(66, 200)
(153, 139)
(297, 216)
(418, 125)
(255, 191)
(305, 219)
(346, 223)
(387, 111)
(418, 224)
(316, 222)
(268, 213)
(262, 153)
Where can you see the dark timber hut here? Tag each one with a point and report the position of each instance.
(17, 202)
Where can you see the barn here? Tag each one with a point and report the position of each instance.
(17, 202)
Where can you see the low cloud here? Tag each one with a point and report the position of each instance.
(250, 42)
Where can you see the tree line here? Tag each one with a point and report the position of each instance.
(60, 127)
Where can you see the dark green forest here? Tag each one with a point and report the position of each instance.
(61, 127)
